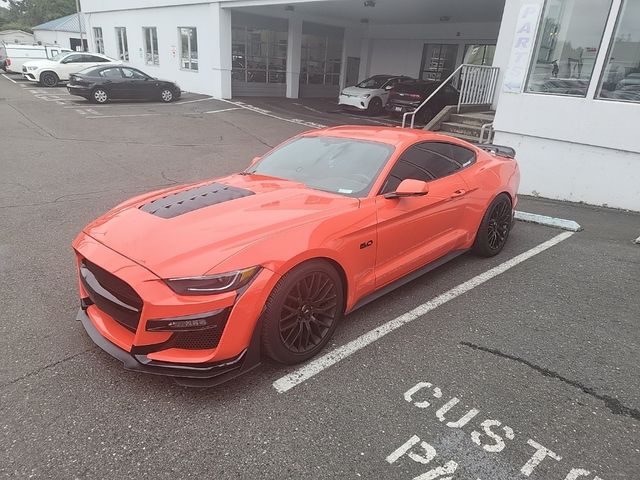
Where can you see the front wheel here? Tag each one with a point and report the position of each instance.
(49, 79)
(302, 312)
(100, 95)
(375, 106)
(495, 227)
(166, 95)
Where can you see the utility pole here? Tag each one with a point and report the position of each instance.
(80, 23)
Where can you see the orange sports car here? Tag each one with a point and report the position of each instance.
(199, 281)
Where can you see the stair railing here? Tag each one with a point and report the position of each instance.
(478, 87)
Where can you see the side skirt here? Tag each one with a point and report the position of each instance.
(406, 279)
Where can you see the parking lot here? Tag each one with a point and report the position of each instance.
(520, 366)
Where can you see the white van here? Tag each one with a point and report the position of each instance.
(13, 55)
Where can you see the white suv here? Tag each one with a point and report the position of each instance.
(49, 73)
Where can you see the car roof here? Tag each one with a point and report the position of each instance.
(390, 135)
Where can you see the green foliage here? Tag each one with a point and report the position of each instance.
(25, 14)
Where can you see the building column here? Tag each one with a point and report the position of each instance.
(365, 58)
(221, 46)
(294, 52)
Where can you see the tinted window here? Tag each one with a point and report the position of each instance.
(131, 73)
(428, 161)
(73, 59)
(340, 165)
(111, 73)
(93, 58)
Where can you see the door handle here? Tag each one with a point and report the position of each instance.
(458, 193)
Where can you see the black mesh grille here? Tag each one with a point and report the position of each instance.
(198, 340)
(111, 295)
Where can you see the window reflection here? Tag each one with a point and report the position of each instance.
(567, 46)
(259, 55)
(621, 76)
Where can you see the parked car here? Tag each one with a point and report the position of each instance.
(51, 72)
(197, 281)
(14, 55)
(407, 97)
(370, 95)
(106, 82)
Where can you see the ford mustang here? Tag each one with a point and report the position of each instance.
(200, 281)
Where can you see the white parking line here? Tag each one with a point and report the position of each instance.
(190, 101)
(223, 110)
(121, 116)
(9, 78)
(561, 223)
(267, 113)
(319, 364)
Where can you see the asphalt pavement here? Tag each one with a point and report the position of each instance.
(530, 372)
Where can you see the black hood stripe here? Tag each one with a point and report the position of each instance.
(176, 204)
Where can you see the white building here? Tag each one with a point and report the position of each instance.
(65, 31)
(16, 36)
(568, 98)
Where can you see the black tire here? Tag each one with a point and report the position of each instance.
(49, 79)
(375, 106)
(167, 95)
(302, 312)
(495, 227)
(99, 95)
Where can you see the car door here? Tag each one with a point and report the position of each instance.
(137, 84)
(72, 63)
(113, 82)
(415, 231)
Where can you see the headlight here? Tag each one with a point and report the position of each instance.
(212, 284)
(32, 68)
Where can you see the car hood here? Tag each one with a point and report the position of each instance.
(188, 230)
(361, 91)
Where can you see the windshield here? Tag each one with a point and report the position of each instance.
(339, 165)
(377, 81)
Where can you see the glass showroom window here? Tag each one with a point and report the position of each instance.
(188, 48)
(621, 75)
(321, 59)
(479, 54)
(259, 55)
(151, 56)
(568, 40)
(121, 41)
(98, 39)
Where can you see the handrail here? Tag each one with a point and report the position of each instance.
(485, 127)
(488, 76)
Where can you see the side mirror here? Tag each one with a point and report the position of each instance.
(388, 87)
(254, 161)
(409, 188)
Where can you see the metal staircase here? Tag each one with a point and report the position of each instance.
(475, 127)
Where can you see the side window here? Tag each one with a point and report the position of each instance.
(94, 59)
(111, 73)
(131, 73)
(428, 161)
(72, 59)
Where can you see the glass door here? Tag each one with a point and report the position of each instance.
(438, 61)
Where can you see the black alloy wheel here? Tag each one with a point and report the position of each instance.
(375, 106)
(49, 79)
(495, 227)
(302, 312)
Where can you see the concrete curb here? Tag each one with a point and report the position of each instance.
(561, 223)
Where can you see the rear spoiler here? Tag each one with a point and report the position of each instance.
(500, 150)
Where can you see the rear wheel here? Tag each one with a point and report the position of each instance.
(99, 95)
(49, 79)
(166, 95)
(495, 227)
(375, 106)
(302, 312)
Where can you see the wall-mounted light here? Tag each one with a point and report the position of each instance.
(369, 3)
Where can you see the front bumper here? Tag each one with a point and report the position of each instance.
(29, 76)
(190, 375)
(349, 101)
(121, 313)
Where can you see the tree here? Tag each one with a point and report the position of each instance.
(30, 13)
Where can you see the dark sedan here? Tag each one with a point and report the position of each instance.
(406, 97)
(101, 84)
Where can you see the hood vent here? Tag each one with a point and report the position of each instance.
(176, 204)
